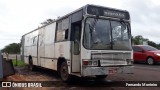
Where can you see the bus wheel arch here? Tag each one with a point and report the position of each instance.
(30, 62)
(59, 62)
(62, 69)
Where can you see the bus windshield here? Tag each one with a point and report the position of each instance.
(106, 34)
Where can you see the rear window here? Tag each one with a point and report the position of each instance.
(136, 49)
(149, 48)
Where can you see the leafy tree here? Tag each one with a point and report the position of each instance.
(48, 21)
(12, 48)
(158, 46)
(151, 43)
(139, 40)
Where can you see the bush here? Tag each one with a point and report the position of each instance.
(19, 63)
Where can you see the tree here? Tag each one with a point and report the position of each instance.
(139, 40)
(48, 21)
(151, 43)
(158, 46)
(13, 48)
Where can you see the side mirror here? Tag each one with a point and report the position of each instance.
(76, 47)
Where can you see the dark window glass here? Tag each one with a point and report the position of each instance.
(120, 36)
(97, 34)
(106, 34)
(77, 36)
(136, 49)
(62, 30)
(149, 48)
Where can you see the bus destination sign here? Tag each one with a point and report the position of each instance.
(100, 11)
(114, 14)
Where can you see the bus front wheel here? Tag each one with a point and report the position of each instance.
(64, 72)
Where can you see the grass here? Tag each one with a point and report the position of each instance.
(19, 63)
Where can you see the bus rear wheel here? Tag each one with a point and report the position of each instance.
(64, 72)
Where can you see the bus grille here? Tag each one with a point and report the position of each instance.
(110, 59)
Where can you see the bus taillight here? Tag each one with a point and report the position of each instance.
(85, 62)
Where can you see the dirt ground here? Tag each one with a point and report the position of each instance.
(41, 74)
(23, 74)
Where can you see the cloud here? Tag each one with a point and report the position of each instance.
(144, 18)
(21, 16)
(3, 9)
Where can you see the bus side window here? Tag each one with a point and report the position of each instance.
(77, 34)
(66, 34)
(62, 30)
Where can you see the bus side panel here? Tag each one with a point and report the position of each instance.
(41, 47)
(22, 48)
(34, 55)
(30, 47)
(34, 47)
(27, 47)
(25, 54)
(49, 46)
(62, 49)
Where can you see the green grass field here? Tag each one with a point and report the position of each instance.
(19, 63)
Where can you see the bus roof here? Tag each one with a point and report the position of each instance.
(84, 11)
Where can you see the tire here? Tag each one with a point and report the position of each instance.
(150, 61)
(64, 72)
(101, 76)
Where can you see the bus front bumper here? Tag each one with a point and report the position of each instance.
(90, 71)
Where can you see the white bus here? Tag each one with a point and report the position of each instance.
(91, 41)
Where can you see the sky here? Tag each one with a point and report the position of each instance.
(18, 17)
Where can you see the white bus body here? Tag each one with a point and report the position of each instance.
(69, 44)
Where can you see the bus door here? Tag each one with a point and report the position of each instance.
(75, 46)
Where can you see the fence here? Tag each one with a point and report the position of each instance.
(12, 56)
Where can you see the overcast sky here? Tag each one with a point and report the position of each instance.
(18, 17)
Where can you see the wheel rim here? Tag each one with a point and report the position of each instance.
(150, 61)
(64, 72)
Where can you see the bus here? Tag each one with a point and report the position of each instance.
(91, 41)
